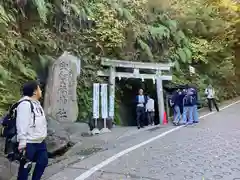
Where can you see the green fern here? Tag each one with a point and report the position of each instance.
(157, 33)
(145, 48)
(3, 16)
(75, 8)
(188, 54)
(41, 6)
(182, 55)
(4, 75)
(177, 65)
(122, 11)
(172, 25)
(127, 15)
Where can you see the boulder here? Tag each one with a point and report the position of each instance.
(76, 131)
(7, 170)
(58, 139)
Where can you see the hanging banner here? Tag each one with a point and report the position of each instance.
(111, 105)
(104, 100)
(96, 100)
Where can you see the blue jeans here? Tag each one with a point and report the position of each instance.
(187, 114)
(195, 114)
(177, 114)
(35, 152)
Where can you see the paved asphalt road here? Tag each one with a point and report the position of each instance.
(208, 150)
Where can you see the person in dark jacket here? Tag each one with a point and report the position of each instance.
(195, 105)
(176, 103)
(188, 106)
(141, 101)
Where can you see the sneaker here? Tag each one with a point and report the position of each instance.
(195, 121)
(182, 123)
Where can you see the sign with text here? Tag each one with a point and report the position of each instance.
(111, 106)
(96, 100)
(104, 100)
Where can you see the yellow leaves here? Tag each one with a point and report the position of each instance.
(110, 30)
(230, 4)
(200, 48)
(159, 4)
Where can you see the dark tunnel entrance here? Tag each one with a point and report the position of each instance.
(128, 91)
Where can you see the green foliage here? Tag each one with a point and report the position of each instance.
(33, 34)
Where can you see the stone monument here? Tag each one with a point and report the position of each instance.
(60, 100)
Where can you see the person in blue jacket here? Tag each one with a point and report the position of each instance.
(188, 106)
(141, 101)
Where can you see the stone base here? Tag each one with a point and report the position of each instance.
(95, 131)
(100, 123)
(105, 130)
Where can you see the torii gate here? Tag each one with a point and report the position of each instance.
(157, 76)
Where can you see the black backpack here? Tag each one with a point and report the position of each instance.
(9, 131)
(188, 99)
(171, 101)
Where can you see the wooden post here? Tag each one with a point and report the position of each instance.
(160, 97)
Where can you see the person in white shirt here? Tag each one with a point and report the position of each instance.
(210, 93)
(31, 132)
(150, 110)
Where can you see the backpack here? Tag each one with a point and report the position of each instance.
(171, 100)
(9, 131)
(188, 99)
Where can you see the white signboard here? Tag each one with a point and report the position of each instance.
(104, 100)
(192, 70)
(79, 66)
(111, 106)
(96, 100)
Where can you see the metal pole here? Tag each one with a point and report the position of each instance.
(160, 97)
